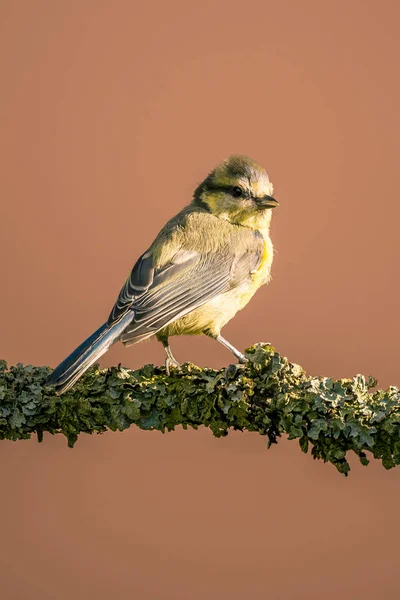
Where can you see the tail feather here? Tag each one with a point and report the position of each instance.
(72, 368)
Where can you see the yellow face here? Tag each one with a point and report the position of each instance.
(239, 191)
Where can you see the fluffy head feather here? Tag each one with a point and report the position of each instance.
(238, 190)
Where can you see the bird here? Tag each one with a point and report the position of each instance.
(204, 266)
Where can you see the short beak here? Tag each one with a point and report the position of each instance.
(267, 202)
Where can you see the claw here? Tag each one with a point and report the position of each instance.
(171, 363)
(232, 370)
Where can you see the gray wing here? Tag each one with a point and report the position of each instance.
(156, 297)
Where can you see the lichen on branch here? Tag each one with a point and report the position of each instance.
(269, 395)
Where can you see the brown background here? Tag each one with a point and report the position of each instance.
(111, 113)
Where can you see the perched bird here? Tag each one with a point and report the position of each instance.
(205, 265)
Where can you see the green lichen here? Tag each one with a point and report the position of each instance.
(269, 395)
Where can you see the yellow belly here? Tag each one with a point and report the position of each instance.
(217, 312)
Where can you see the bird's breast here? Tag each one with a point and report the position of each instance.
(262, 273)
(215, 313)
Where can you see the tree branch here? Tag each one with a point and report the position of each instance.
(269, 395)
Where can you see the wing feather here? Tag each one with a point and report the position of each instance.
(157, 296)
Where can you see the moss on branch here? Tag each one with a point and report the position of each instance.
(269, 395)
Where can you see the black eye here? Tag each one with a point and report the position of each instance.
(237, 192)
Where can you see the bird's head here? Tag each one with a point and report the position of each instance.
(238, 190)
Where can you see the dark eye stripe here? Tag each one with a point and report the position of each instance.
(226, 188)
(219, 188)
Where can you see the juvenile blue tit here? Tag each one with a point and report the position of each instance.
(205, 265)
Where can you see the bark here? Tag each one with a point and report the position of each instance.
(269, 395)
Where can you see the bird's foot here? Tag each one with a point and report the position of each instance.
(171, 363)
(232, 370)
(242, 359)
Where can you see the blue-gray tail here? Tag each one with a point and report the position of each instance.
(72, 368)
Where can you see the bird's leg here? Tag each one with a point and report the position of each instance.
(230, 371)
(170, 361)
(241, 357)
(217, 336)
